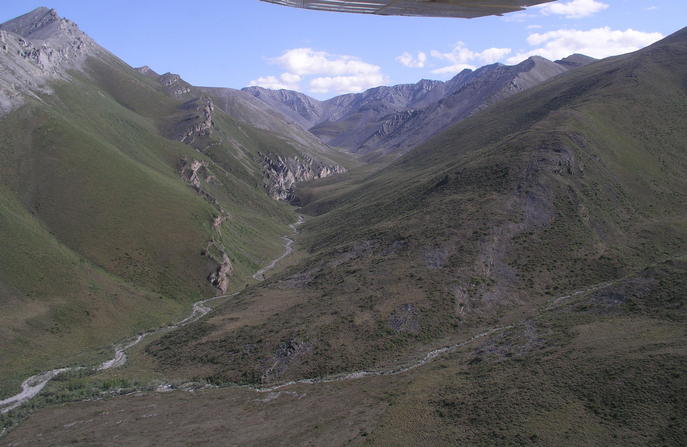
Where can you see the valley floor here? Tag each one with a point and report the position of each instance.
(534, 382)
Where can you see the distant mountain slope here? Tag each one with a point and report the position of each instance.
(245, 108)
(466, 94)
(576, 60)
(300, 108)
(397, 118)
(125, 196)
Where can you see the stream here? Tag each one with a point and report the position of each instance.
(32, 386)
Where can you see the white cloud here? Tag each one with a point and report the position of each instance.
(598, 43)
(323, 71)
(306, 61)
(462, 57)
(574, 9)
(346, 84)
(410, 61)
(287, 81)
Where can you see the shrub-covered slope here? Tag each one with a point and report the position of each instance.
(571, 184)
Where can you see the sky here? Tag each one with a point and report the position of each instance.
(236, 43)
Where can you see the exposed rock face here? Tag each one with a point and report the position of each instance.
(35, 48)
(174, 85)
(394, 122)
(193, 171)
(281, 174)
(296, 106)
(219, 220)
(220, 278)
(199, 122)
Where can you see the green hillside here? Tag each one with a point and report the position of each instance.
(104, 234)
(575, 183)
(518, 280)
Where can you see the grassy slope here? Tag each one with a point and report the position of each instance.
(102, 235)
(605, 368)
(575, 183)
(602, 369)
(475, 229)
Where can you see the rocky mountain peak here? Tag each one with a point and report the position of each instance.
(36, 47)
(41, 24)
(575, 60)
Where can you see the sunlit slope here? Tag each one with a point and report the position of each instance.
(95, 171)
(576, 182)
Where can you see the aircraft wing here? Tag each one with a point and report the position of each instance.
(427, 8)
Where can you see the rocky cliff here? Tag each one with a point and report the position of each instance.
(198, 122)
(220, 277)
(282, 173)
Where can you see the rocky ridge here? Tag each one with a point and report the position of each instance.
(197, 173)
(200, 120)
(398, 118)
(35, 48)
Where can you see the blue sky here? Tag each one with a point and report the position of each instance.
(233, 43)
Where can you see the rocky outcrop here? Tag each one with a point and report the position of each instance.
(197, 173)
(281, 174)
(199, 122)
(220, 277)
(174, 85)
(193, 171)
(37, 47)
(405, 318)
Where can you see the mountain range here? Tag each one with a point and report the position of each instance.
(395, 119)
(495, 260)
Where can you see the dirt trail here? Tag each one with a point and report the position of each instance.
(32, 386)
